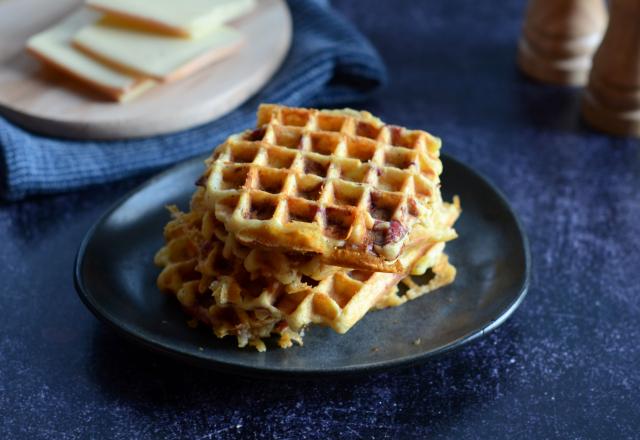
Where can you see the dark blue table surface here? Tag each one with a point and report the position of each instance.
(565, 365)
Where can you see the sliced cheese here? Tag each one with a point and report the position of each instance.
(158, 56)
(188, 18)
(53, 47)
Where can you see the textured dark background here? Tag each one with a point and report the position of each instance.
(565, 365)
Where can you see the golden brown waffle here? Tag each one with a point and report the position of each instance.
(203, 226)
(340, 184)
(210, 275)
(314, 217)
(250, 322)
(439, 274)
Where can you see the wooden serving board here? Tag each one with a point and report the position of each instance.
(49, 103)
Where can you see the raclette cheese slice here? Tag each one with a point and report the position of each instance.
(186, 18)
(53, 47)
(159, 56)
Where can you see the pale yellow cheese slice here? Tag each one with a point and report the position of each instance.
(159, 56)
(53, 47)
(188, 18)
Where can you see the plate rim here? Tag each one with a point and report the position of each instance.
(123, 329)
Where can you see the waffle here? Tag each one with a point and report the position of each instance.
(251, 321)
(287, 268)
(315, 217)
(218, 282)
(339, 184)
(440, 273)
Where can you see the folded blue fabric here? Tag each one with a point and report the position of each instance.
(330, 63)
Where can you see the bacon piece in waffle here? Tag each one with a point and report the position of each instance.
(340, 184)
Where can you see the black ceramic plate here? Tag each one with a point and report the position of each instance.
(115, 278)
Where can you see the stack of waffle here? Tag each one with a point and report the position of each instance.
(315, 216)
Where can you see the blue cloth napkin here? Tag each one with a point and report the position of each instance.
(330, 63)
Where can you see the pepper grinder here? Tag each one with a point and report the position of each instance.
(559, 38)
(611, 101)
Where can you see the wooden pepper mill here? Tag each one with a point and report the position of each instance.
(612, 99)
(559, 38)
